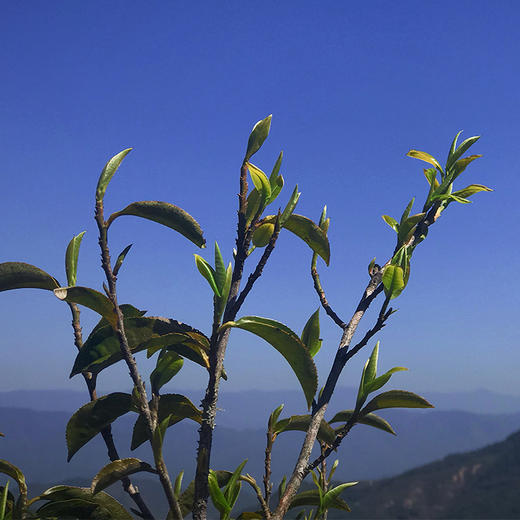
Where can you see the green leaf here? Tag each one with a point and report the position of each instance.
(90, 298)
(393, 281)
(220, 269)
(73, 508)
(217, 497)
(258, 136)
(178, 484)
(186, 499)
(17, 275)
(15, 473)
(108, 172)
(391, 222)
(463, 148)
(168, 365)
(426, 157)
(370, 419)
(175, 406)
(120, 259)
(93, 417)
(273, 418)
(453, 147)
(371, 370)
(380, 381)
(407, 227)
(301, 423)
(396, 399)
(462, 164)
(289, 345)
(431, 177)
(330, 496)
(276, 180)
(3, 500)
(470, 190)
(101, 349)
(129, 311)
(158, 437)
(261, 182)
(166, 214)
(222, 301)
(361, 395)
(207, 272)
(311, 333)
(312, 498)
(407, 210)
(310, 233)
(262, 234)
(289, 208)
(253, 205)
(118, 470)
(71, 258)
(230, 491)
(104, 501)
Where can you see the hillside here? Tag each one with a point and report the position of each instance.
(481, 484)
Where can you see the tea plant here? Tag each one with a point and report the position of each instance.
(123, 331)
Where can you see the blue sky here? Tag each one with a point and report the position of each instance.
(351, 86)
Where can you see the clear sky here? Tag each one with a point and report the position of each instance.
(352, 86)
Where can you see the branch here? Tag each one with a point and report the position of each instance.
(268, 486)
(106, 433)
(321, 294)
(252, 482)
(144, 408)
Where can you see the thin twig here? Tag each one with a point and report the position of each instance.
(268, 486)
(106, 433)
(144, 408)
(324, 302)
(263, 504)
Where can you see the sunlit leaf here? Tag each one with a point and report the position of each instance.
(462, 164)
(301, 423)
(380, 381)
(117, 470)
(289, 208)
(166, 214)
(93, 417)
(331, 496)
(310, 233)
(15, 473)
(406, 228)
(470, 190)
(121, 259)
(312, 498)
(426, 157)
(370, 419)
(289, 345)
(71, 258)
(18, 275)
(461, 150)
(396, 399)
(391, 222)
(168, 365)
(407, 210)
(393, 281)
(177, 406)
(217, 497)
(258, 136)
(261, 182)
(186, 498)
(208, 273)
(108, 172)
(90, 298)
(262, 235)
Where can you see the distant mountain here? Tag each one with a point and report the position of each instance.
(250, 408)
(36, 442)
(481, 484)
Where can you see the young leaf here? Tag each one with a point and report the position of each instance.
(289, 208)
(166, 214)
(407, 227)
(258, 136)
(393, 281)
(396, 399)
(380, 381)
(261, 182)
(330, 496)
(311, 333)
(175, 407)
(464, 146)
(310, 233)
(222, 301)
(273, 418)
(288, 344)
(158, 436)
(431, 177)
(263, 234)
(462, 164)
(231, 487)
(453, 147)
(371, 370)
(361, 396)
(276, 180)
(332, 471)
(407, 210)
(218, 498)
(253, 205)
(18, 275)
(108, 172)
(426, 157)
(71, 258)
(168, 364)
(3, 500)
(15, 473)
(370, 419)
(118, 470)
(312, 498)
(220, 269)
(207, 272)
(121, 259)
(91, 418)
(90, 298)
(391, 222)
(470, 190)
(178, 484)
